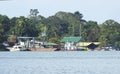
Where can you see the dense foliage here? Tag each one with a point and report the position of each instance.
(58, 26)
(110, 33)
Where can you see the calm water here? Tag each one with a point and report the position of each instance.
(88, 62)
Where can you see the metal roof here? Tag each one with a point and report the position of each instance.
(50, 44)
(25, 37)
(71, 39)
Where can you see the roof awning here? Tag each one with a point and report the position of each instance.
(71, 39)
(85, 44)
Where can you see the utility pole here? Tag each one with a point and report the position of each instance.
(73, 31)
(80, 29)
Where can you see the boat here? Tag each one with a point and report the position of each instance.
(17, 48)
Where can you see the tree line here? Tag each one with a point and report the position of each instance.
(60, 25)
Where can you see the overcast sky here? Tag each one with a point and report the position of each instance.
(96, 10)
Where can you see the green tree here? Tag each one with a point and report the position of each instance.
(33, 12)
(5, 27)
(110, 33)
(35, 26)
(4, 20)
(1, 33)
(19, 27)
(56, 27)
(78, 15)
(74, 22)
(54, 40)
(12, 24)
(93, 31)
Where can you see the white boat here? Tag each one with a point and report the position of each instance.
(17, 48)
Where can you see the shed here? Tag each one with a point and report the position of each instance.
(70, 42)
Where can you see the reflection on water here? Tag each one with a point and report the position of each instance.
(66, 54)
(85, 62)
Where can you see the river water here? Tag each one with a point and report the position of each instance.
(67, 62)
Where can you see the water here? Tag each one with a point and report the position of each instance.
(72, 62)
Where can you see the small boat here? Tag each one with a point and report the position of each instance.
(17, 48)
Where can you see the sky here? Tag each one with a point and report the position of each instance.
(96, 10)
